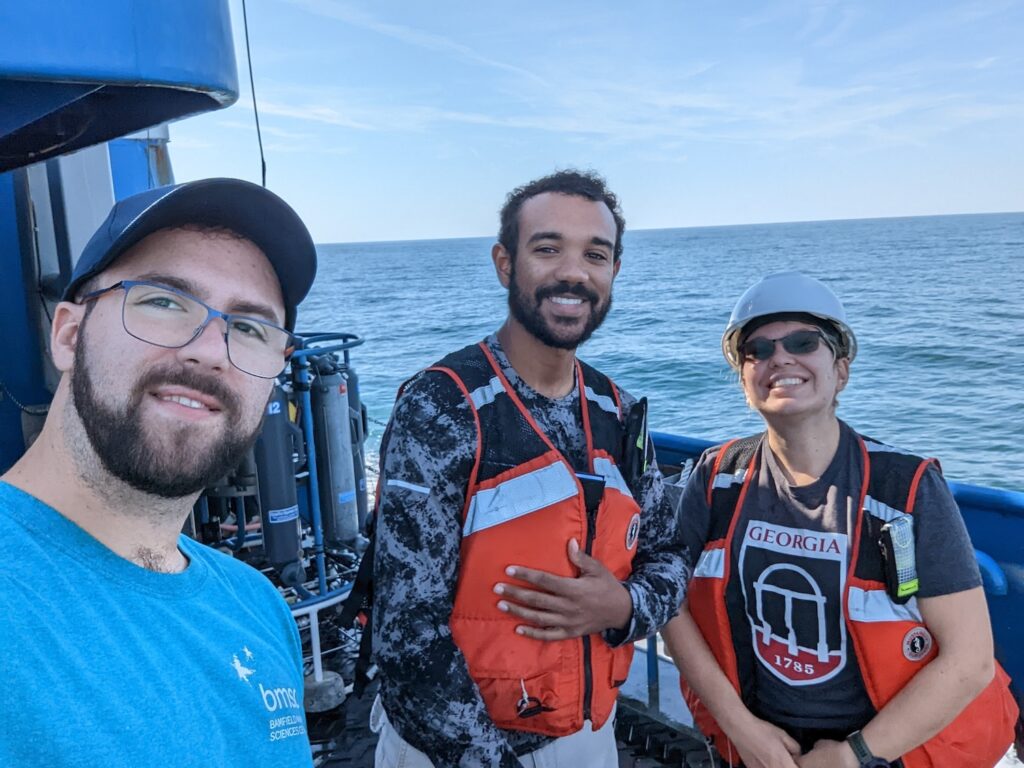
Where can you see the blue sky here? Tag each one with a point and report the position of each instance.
(401, 120)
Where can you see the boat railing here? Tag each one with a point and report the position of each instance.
(676, 450)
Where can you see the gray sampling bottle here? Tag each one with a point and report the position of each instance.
(279, 507)
(339, 511)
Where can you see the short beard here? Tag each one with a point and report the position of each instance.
(529, 316)
(119, 439)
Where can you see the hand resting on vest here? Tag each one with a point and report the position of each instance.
(558, 607)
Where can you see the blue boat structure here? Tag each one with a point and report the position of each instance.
(85, 98)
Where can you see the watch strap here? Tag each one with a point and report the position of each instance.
(860, 748)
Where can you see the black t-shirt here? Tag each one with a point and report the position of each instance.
(791, 550)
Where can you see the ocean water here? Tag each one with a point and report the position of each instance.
(937, 304)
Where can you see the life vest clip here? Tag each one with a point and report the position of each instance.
(530, 706)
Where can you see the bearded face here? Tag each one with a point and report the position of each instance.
(154, 455)
(557, 331)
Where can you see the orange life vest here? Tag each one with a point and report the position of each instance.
(524, 503)
(891, 640)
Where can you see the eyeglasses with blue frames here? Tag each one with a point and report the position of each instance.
(166, 317)
(802, 342)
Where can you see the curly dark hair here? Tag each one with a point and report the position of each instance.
(586, 184)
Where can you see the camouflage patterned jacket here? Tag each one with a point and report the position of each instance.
(429, 450)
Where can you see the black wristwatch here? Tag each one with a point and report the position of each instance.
(865, 758)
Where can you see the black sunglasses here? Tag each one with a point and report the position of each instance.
(796, 343)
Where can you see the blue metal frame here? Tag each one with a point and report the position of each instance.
(83, 73)
(312, 345)
(21, 348)
(132, 166)
(186, 43)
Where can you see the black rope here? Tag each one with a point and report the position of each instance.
(252, 87)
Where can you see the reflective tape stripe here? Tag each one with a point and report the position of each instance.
(520, 496)
(603, 402)
(710, 564)
(724, 479)
(481, 396)
(612, 477)
(408, 486)
(883, 511)
(873, 605)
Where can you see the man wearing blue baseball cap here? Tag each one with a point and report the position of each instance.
(124, 642)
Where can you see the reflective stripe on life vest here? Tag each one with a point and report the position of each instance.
(518, 496)
(872, 605)
(484, 395)
(725, 479)
(883, 511)
(612, 477)
(710, 564)
(603, 402)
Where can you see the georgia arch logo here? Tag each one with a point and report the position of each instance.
(792, 582)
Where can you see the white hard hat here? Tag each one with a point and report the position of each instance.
(786, 292)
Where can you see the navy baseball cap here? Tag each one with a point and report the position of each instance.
(248, 209)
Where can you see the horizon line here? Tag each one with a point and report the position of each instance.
(692, 226)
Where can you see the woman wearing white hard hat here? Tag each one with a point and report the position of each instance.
(836, 615)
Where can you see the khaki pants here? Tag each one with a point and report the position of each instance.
(593, 749)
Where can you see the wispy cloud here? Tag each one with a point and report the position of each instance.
(816, 17)
(771, 13)
(328, 114)
(848, 17)
(772, 106)
(316, 149)
(269, 130)
(457, 99)
(348, 14)
(830, 80)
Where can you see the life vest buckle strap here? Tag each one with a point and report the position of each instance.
(593, 490)
(530, 706)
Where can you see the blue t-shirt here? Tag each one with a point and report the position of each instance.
(107, 664)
